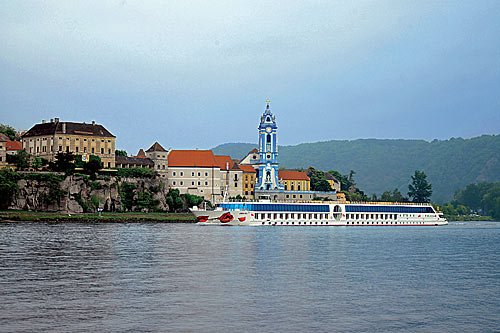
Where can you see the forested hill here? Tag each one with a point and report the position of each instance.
(383, 165)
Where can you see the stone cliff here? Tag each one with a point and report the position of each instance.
(78, 194)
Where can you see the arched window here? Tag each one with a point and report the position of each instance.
(268, 140)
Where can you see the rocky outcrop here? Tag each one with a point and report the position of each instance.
(78, 194)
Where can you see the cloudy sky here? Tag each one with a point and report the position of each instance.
(194, 74)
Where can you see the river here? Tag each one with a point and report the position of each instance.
(153, 277)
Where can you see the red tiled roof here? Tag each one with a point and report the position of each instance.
(192, 158)
(292, 175)
(247, 168)
(224, 162)
(14, 145)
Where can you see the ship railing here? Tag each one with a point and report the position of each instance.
(339, 202)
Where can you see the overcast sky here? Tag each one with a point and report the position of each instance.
(195, 74)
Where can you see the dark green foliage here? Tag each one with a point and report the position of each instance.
(135, 173)
(22, 160)
(194, 200)
(93, 166)
(420, 190)
(121, 153)
(481, 198)
(127, 192)
(383, 165)
(9, 131)
(95, 186)
(8, 187)
(174, 200)
(145, 201)
(394, 196)
(64, 162)
(318, 180)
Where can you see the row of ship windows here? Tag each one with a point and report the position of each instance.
(372, 216)
(286, 216)
(348, 223)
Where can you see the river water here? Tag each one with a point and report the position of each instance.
(147, 277)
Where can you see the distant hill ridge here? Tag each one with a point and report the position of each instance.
(386, 164)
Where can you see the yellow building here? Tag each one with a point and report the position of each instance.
(49, 138)
(249, 176)
(294, 180)
(3, 149)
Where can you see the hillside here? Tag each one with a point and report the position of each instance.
(382, 165)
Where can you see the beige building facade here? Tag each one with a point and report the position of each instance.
(49, 138)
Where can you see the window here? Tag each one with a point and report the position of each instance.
(192, 174)
(182, 173)
(206, 183)
(76, 149)
(102, 150)
(109, 151)
(60, 148)
(173, 173)
(93, 150)
(182, 183)
(235, 184)
(199, 174)
(206, 174)
(192, 183)
(109, 164)
(199, 183)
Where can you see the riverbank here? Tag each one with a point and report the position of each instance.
(465, 218)
(29, 216)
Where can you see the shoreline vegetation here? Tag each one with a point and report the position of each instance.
(103, 217)
(131, 217)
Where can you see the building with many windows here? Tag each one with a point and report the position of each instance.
(159, 156)
(48, 138)
(249, 176)
(294, 180)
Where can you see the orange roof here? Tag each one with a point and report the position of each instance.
(247, 168)
(292, 175)
(14, 145)
(224, 162)
(192, 158)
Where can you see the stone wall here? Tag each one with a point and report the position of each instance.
(76, 193)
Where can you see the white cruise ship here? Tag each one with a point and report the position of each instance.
(267, 213)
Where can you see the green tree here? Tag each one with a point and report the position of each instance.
(22, 160)
(420, 190)
(9, 131)
(121, 153)
(8, 187)
(37, 162)
(318, 180)
(63, 162)
(93, 166)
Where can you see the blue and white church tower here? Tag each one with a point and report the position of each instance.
(267, 171)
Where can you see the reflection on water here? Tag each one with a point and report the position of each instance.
(170, 277)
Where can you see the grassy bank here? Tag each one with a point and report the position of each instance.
(468, 218)
(94, 217)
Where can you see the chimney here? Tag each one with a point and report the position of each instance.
(93, 122)
(56, 120)
(43, 121)
(51, 120)
(64, 128)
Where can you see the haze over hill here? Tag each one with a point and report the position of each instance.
(383, 165)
